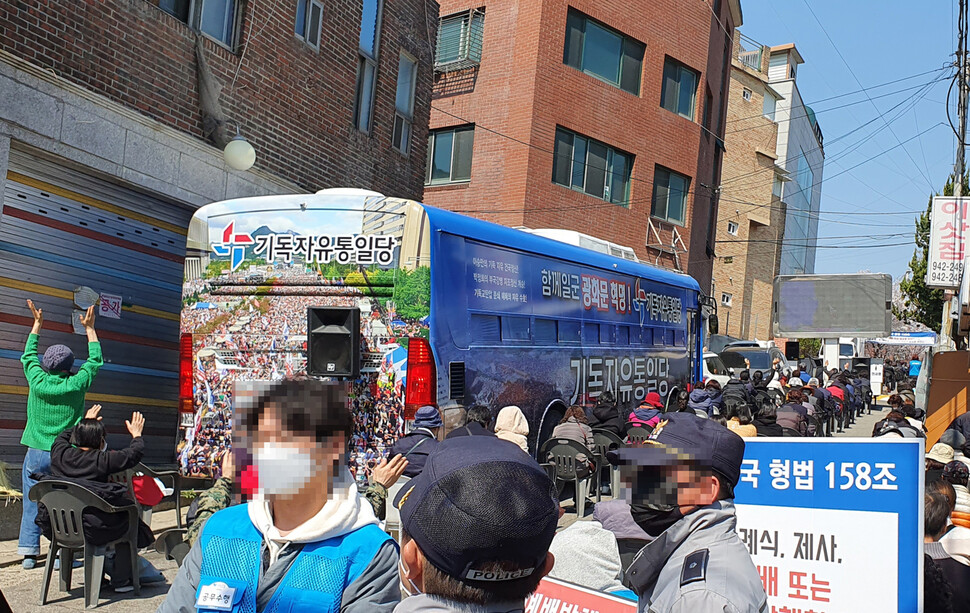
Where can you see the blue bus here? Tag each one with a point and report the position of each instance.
(453, 312)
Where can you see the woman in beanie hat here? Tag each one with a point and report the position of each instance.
(55, 402)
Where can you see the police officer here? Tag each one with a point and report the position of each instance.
(680, 486)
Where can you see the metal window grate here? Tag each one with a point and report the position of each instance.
(460, 41)
(456, 377)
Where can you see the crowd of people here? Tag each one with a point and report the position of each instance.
(264, 339)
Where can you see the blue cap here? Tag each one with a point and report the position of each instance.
(708, 443)
(427, 417)
(480, 500)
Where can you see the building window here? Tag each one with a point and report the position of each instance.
(309, 15)
(776, 187)
(669, 195)
(804, 176)
(603, 52)
(370, 35)
(768, 108)
(725, 299)
(407, 72)
(733, 228)
(592, 167)
(679, 89)
(746, 94)
(215, 18)
(450, 155)
(460, 40)
(708, 109)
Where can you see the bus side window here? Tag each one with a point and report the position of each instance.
(515, 328)
(606, 334)
(545, 331)
(636, 335)
(485, 328)
(647, 336)
(569, 332)
(622, 335)
(591, 334)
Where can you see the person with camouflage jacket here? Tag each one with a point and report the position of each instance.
(219, 496)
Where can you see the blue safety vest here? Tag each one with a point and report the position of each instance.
(316, 581)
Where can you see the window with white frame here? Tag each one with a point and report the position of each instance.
(669, 195)
(460, 39)
(407, 72)
(746, 94)
(592, 167)
(725, 299)
(450, 155)
(768, 107)
(309, 16)
(679, 89)
(215, 18)
(370, 35)
(733, 228)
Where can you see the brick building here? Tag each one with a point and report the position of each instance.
(106, 151)
(770, 196)
(598, 117)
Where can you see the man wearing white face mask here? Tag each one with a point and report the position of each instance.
(308, 541)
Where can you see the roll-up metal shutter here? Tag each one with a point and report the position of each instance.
(60, 229)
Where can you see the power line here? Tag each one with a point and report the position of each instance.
(851, 72)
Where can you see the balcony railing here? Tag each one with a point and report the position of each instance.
(750, 53)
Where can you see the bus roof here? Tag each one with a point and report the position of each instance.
(488, 232)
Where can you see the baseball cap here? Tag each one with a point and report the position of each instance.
(707, 442)
(956, 472)
(480, 500)
(941, 452)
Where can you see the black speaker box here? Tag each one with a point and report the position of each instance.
(333, 342)
(791, 351)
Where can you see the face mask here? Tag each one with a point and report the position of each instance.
(283, 470)
(405, 590)
(655, 519)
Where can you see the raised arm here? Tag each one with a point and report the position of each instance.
(32, 368)
(92, 365)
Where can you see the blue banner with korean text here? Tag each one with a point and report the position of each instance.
(834, 525)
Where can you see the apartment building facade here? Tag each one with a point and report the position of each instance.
(600, 118)
(770, 189)
(113, 120)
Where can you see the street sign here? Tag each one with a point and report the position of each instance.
(555, 595)
(949, 234)
(110, 306)
(835, 525)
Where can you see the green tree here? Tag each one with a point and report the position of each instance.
(809, 347)
(413, 295)
(923, 304)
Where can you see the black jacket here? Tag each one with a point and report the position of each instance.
(92, 465)
(415, 446)
(607, 418)
(472, 428)
(99, 527)
(768, 426)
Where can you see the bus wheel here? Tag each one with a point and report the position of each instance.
(671, 405)
(550, 419)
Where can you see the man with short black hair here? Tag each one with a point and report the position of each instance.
(681, 489)
(478, 422)
(476, 527)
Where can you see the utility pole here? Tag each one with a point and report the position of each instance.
(946, 343)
